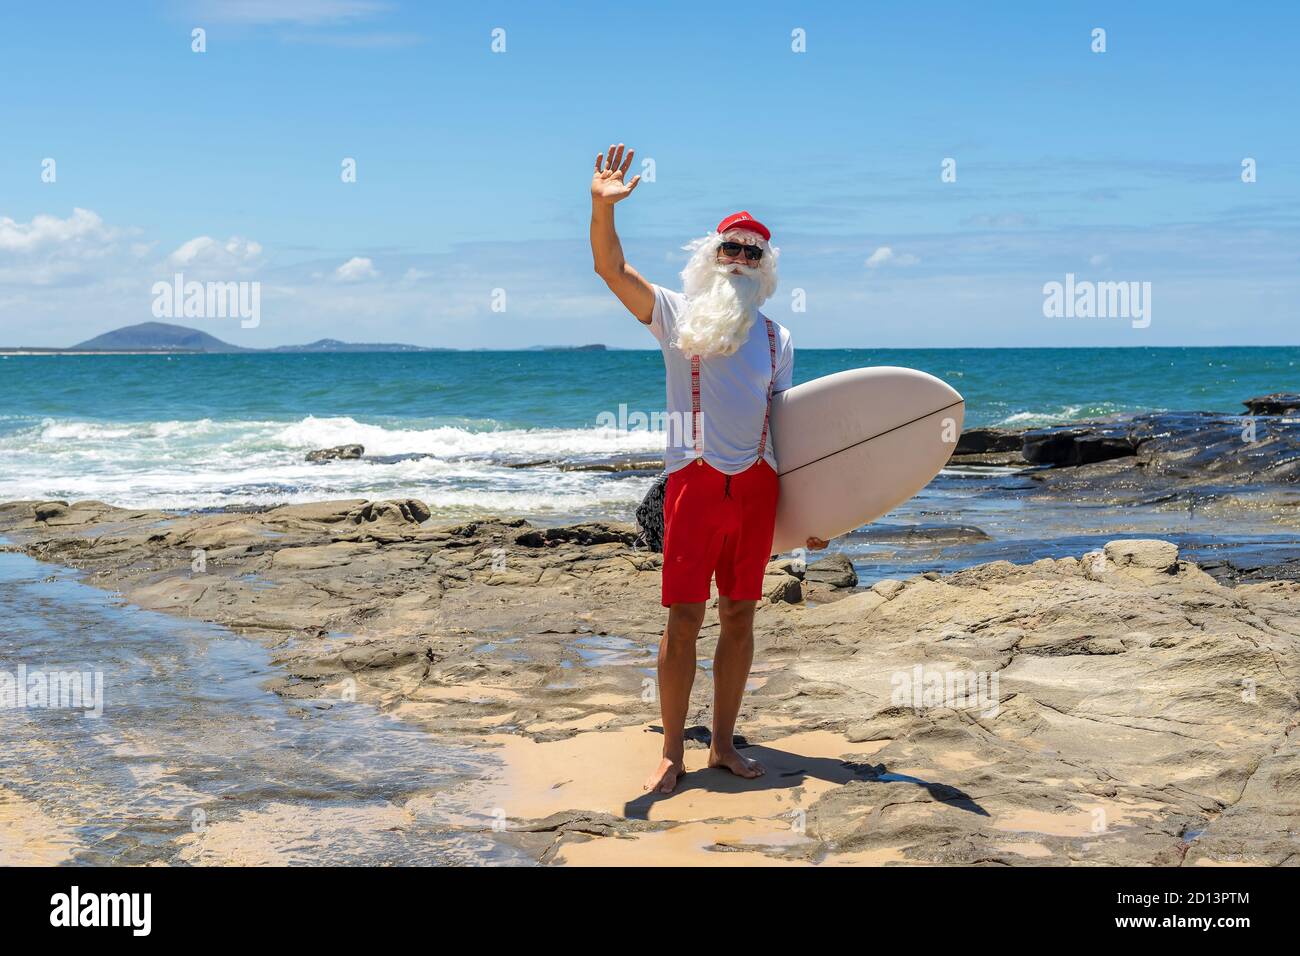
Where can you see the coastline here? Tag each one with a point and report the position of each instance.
(36, 351)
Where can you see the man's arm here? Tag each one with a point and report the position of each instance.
(607, 188)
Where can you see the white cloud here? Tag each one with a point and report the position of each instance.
(886, 254)
(355, 270)
(1098, 260)
(204, 251)
(49, 250)
(82, 227)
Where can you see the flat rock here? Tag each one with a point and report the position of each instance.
(1143, 553)
(1279, 403)
(980, 441)
(1077, 445)
(327, 512)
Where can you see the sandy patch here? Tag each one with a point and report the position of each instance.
(31, 837)
(603, 772)
(1205, 861)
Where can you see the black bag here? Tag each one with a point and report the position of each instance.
(650, 515)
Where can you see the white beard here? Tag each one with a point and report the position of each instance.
(720, 309)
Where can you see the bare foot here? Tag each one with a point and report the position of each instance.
(730, 759)
(664, 780)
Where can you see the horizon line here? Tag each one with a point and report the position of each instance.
(8, 351)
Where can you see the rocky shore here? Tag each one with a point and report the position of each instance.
(1116, 707)
(1187, 448)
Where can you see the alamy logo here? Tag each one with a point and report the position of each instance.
(53, 690)
(103, 909)
(922, 689)
(1098, 300)
(179, 299)
(677, 426)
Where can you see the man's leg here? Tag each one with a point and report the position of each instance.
(730, 673)
(676, 675)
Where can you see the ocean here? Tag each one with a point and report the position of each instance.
(207, 431)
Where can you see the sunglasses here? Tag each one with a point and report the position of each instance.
(733, 249)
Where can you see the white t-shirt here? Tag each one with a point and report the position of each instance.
(733, 391)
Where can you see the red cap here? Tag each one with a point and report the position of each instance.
(743, 220)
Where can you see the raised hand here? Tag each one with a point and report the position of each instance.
(607, 186)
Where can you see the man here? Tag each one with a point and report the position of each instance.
(723, 361)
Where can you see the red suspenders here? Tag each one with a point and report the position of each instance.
(771, 347)
(695, 409)
(695, 398)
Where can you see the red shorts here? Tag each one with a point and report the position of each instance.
(717, 523)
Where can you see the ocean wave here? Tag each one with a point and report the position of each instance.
(1064, 413)
(207, 463)
(1035, 418)
(54, 430)
(452, 442)
(508, 493)
(447, 442)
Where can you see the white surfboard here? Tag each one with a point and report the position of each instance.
(853, 446)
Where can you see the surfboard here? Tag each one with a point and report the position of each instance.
(853, 446)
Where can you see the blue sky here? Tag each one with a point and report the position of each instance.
(473, 166)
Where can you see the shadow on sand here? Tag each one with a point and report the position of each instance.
(786, 770)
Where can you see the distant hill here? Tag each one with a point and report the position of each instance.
(334, 345)
(156, 337)
(567, 348)
(162, 337)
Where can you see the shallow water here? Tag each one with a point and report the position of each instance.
(192, 761)
(1024, 525)
(607, 650)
